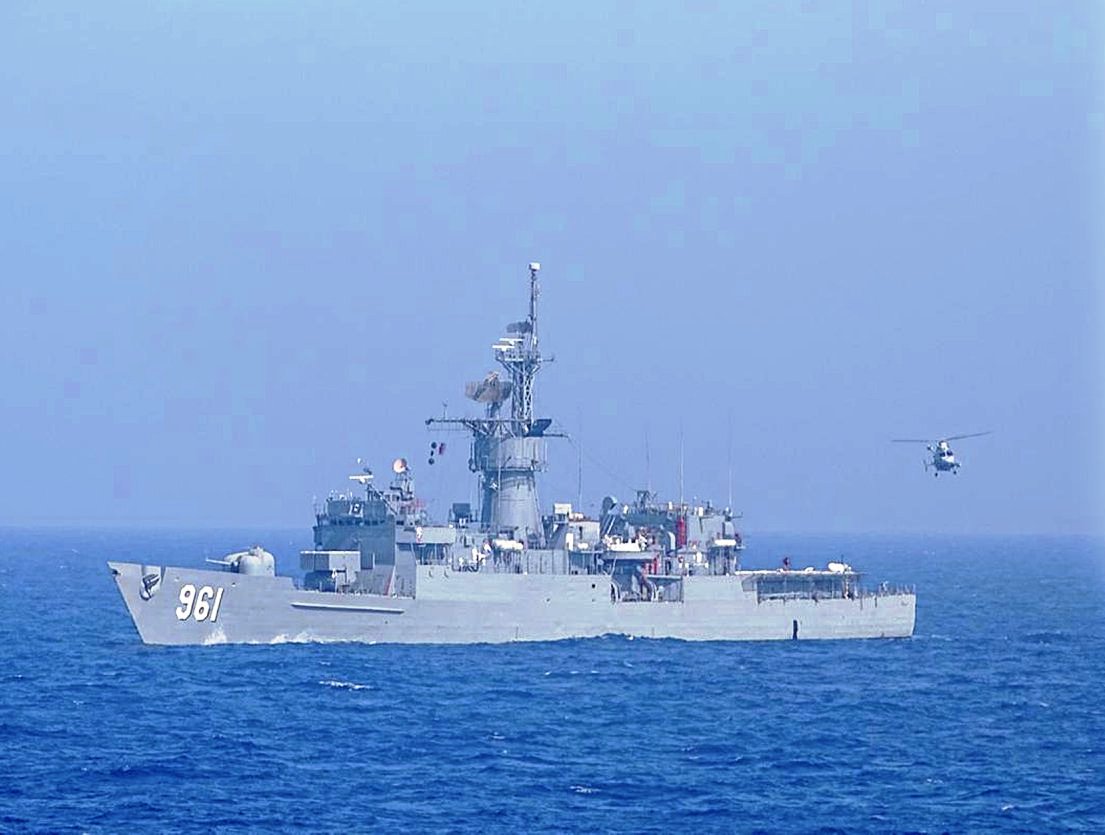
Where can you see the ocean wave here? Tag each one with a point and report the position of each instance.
(345, 685)
(283, 638)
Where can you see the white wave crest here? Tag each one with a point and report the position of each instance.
(345, 685)
(303, 637)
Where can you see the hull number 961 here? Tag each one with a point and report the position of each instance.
(202, 604)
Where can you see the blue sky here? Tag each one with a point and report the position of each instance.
(244, 244)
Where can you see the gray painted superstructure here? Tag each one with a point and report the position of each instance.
(381, 570)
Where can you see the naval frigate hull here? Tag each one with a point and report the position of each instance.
(184, 606)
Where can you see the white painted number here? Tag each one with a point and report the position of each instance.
(201, 606)
(187, 598)
(203, 603)
(216, 604)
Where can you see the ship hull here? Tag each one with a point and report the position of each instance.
(181, 606)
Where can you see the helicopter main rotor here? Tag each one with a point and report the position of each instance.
(940, 440)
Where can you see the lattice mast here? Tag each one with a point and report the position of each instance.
(519, 354)
(507, 453)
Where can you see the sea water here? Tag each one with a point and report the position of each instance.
(992, 717)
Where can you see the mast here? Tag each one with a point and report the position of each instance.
(519, 355)
(729, 463)
(534, 269)
(579, 462)
(680, 463)
(507, 453)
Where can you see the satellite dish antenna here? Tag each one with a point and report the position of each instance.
(399, 466)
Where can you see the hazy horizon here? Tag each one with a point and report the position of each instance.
(244, 246)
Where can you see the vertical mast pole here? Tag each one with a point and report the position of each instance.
(729, 506)
(534, 267)
(579, 463)
(681, 463)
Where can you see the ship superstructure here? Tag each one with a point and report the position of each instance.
(382, 570)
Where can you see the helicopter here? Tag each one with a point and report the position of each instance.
(943, 459)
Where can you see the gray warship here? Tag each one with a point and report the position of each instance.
(381, 570)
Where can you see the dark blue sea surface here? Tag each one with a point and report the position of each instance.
(991, 718)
